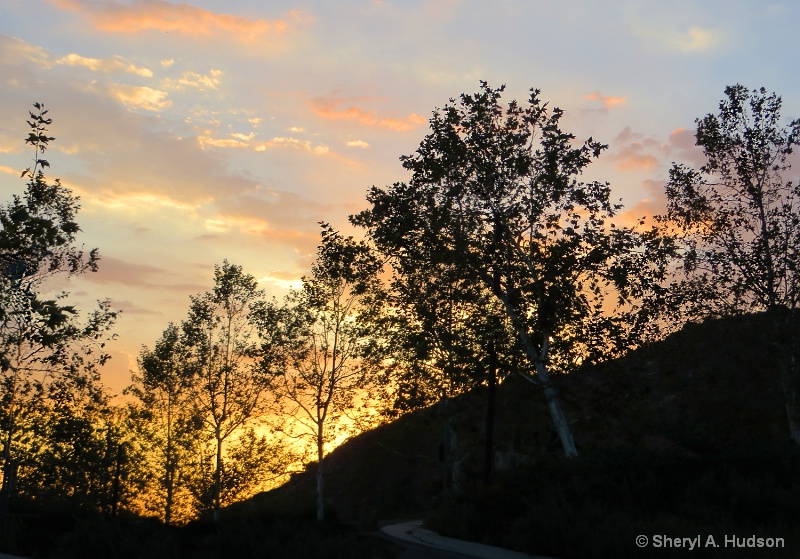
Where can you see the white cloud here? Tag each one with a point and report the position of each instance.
(695, 39)
(357, 144)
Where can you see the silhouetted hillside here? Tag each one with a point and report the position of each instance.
(692, 424)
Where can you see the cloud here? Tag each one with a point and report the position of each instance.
(167, 62)
(196, 81)
(221, 142)
(119, 271)
(343, 109)
(107, 65)
(140, 97)
(608, 102)
(683, 145)
(282, 280)
(633, 151)
(9, 144)
(129, 307)
(115, 270)
(128, 200)
(295, 143)
(695, 39)
(19, 53)
(160, 16)
(653, 202)
(357, 144)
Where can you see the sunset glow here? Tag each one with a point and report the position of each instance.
(199, 131)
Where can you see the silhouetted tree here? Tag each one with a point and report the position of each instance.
(165, 388)
(220, 335)
(323, 345)
(495, 194)
(739, 218)
(48, 359)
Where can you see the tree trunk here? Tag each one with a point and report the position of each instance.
(320, 475)
(488, 458)
(791, 382)
(784, 346)
(538, 357)
(556, 412)
(9, 476)
(218, 481)
(169, 480)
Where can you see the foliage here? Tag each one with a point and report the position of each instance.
(228, 386)
(164, 390)
(322, 346)
(739, 219)
(50, 387)
(495, 195)
(738, 213)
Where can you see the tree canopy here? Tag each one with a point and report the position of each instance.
(495, 193)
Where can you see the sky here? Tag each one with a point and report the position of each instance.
(195, 132)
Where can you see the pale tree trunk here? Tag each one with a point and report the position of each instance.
(556, 412)
(320, 475)
(543, 379)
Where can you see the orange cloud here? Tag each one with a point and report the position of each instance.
(652, 203)
(332, 109)
(644, 161)
(161, 16)
(607, 101)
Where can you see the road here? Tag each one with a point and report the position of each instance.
(419, 543)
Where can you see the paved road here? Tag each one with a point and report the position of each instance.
(418, 551)
(419, 543)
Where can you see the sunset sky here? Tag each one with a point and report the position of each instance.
(210, 130)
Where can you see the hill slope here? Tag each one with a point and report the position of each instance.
(707, 398)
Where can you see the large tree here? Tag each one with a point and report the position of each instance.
(220, 334)
(49, 359)
(322, 346)
(495, 193)
(739, 218)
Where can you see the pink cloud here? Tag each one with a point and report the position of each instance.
(161, 16)
(609, 102)
(633, 151)
(344, 109)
